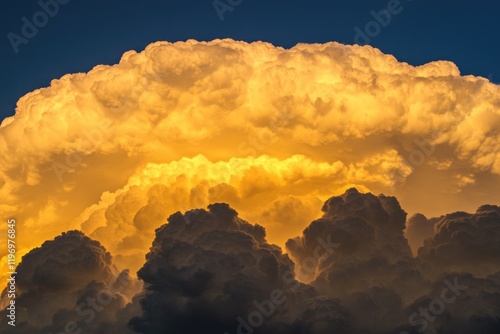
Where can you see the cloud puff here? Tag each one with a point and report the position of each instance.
(419, 228)
(464, 242)
(218, 269)
(365, 228)
(372, 269)
(451, 286)
(69, 282)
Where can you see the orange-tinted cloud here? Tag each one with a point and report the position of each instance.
(255, 125)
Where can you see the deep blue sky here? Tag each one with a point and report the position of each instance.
(86, 33)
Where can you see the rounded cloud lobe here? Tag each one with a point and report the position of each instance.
(70, 280)
(465, 242)
(218, 269)
(371, 261)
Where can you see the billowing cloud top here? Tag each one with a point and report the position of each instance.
(214, 267)
(272, 131)
(464, 241)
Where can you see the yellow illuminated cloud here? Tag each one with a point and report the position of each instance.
(270, 130)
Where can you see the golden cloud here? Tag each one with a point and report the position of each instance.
(115, 151)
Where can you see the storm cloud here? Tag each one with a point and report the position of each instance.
(70, 284)
(218, 269)
(351, 271)
(298, 142)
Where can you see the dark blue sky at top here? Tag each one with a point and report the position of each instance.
(86, 33)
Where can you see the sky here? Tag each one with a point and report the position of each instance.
(86, 33)
(239, 167)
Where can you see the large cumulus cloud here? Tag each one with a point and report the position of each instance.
(362, 278)
(372, 269)
(210, 271)
(451, 286)
(350, 272)
(368, 230)
(375, 123)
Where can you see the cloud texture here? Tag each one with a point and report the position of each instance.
(70, 282)
(216, 268)
(209, 270)
(274, 132)
(239, 120)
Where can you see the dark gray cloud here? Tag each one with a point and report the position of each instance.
(458, 303)
(381, 285)
(210, 271)
(464, 242)
(369, 232)
(372, 270)
(69, 283)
